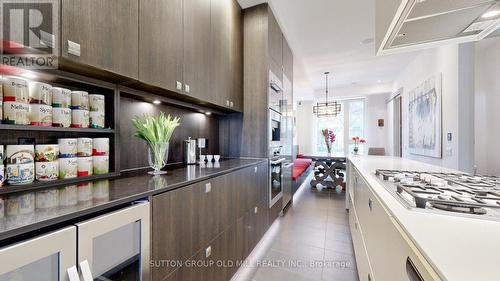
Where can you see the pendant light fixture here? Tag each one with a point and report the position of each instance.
(327, 108)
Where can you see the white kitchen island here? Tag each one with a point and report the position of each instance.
(393, 242)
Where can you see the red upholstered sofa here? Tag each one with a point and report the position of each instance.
(301, 169)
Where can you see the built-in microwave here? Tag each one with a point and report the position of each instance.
(275, 92)
(274, 128)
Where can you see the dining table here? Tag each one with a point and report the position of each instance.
(328, 169)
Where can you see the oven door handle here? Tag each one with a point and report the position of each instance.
(276, 162)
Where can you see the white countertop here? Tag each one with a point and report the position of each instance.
(458, 248)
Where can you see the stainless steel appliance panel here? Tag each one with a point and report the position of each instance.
(287, 183)
(275, 180)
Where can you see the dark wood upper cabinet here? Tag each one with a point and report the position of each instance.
(287, 60)
(236, 55)
(219, 52)
(161, 44)
(102, 34)
(275, 39)
(197, 48)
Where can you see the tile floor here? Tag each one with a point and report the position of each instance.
(312, 241)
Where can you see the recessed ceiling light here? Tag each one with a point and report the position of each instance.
(208, 113)
(156, 102)
(491, 14)
(367, 41)
(29, 75)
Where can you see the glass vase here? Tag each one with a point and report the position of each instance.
(157, 157)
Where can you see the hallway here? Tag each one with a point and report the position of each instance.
(311, 242)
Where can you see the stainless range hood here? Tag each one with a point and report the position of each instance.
(415, 24)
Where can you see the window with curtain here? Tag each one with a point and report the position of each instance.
(348, 124)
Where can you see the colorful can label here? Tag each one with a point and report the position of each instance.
(20, 173)
(101, 147)
(61, 117)
(46, 152)
(68, 168)
(101, 164)
(79, 100)
(20, 154)
(85, 166)
(97, 103)
(80, 118)
(40, 93)
(40, 115)
(15, 89)
(61, 97)
(67, 148)
(47, 171)
(16, 113)
(84, 147)
(97, 120)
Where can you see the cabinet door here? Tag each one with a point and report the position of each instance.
(106, 31)
(161, 44)
(196, 48)
(220, 79)
(236, 56)
(275, 40)
(45, 258)
(116, 245)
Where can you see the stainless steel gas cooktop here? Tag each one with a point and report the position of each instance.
(446, 193)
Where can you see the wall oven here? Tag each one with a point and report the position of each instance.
(275, 92)
(275, 180)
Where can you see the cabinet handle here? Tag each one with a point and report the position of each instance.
(74, 48)
(227, 103)
(370, 203)
(412, 272)
(369, 277)
(231, 104)
(178, 85)
(73, 274)
(187, 89)
(86, 273)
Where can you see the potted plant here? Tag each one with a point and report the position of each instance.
(357, 141)
(156, 131)
(329, 137)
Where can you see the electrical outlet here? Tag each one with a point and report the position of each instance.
(208, 187)
(255, 210)
(208, 251)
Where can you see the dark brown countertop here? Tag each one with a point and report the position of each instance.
(24, 213)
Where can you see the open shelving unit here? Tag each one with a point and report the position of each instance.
(10, 134)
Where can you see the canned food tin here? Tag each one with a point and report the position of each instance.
(67, 148)
(20, 173)
(84, 147)
(16, 113)
(84, 191)
(61, 117)
(79, 100)
(61, 97)
(68, 168)
(40, 115)
(96, 120)
(46, 152)
(101, 147)
(101, 164)
(101, 190)
(47, 199)
(85, 167)
(68, 196)
(15, 89)
(80, 118)
(47, 171)
(96, 103)
(40, 93)
(20, 154)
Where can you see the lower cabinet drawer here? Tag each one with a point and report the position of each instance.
(362, 262)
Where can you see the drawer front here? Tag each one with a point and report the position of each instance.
(362, 261)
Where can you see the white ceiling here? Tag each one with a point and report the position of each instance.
(326, 35)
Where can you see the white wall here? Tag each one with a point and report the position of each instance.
(305, 130)
(376, 108)
(487, 104)
(456, 90)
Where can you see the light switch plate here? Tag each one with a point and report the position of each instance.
(208, 251)
(178, 85)
(74, 48)
(208, 187)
